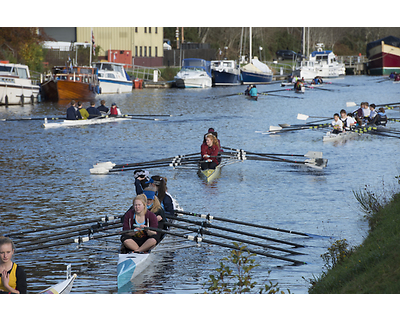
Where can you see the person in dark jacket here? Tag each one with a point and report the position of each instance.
(93, 111)
(72, 112)
(102, 108)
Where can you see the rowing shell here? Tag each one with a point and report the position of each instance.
(339, 136)
(63, 287)
(210, 174)
(74, 123)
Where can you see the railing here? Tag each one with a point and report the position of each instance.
(145, 73)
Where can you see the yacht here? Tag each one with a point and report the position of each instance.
(195, 73)
(113, 77)
(321, 63)
(16, 86)
(225, 72)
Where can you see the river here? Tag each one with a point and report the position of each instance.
(45, 179)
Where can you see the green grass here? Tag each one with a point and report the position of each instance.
(372, 267)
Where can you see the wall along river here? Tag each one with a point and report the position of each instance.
(46, 179)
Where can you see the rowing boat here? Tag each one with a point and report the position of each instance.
(63, 287)
(339, 136)
(210, 174)
(74, 123)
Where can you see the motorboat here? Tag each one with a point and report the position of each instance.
(16, 86)
(225, 72)
(195, 73)
(113, 77)
(321, 63)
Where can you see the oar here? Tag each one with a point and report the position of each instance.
(319, 88)
(199, 223)
(301, 116)
(278, 90)
(70, 224)
(278, 95)
(24, 119)
(244, 223)
(209, 233)
(153, 115)
(275, 129)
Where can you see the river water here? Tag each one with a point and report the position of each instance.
(45, 179)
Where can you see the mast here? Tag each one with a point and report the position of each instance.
(250, 46)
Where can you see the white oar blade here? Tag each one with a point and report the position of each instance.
(284, 125)
(108, 164)
(99, 170)
(313, 154)
(274, 128)
(318, 163)
(350, 104)
(302, 116)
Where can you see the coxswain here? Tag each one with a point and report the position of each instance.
(209, 152)
(12, 276)
(72, 112)
(114, 111)
(381, 118)
(102, 108)
(83, 111)
(93, 111)
(337, 124)
(247, 91)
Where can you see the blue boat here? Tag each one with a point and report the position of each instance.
(225, 73)
(256, 72)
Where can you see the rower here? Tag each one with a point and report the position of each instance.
(348, 121)
(93, 111)
(83, 111)
(154, 205)
(380, 119)
(114, 111)
(372, 113)
(337, 124)
(209, 152)
(12, 276)
(253, 91)
(72, 112)
(102, 108)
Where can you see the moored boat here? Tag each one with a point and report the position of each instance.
(321, 63)
(75, 123)
(225, 72)
(195, 73)
(16, 86)
(113, 77)
(71, 83)
(256, 72)
(384, 56)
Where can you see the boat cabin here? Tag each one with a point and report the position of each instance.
(76, 74)
(197, 64)
(111, 70)
(14, 70)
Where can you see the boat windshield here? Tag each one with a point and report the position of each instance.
(22, 73)
(5, 69)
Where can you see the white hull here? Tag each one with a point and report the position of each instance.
(108, 86)
(63, 287)
(75, 123)
(130, 265)
(325, 72)
(339, 136)
(205, 82)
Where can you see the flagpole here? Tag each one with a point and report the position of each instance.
(91, 48)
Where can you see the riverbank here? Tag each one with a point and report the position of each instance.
(372, 267)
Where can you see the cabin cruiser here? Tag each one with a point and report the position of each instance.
(16, 86)
(113, 77)
(321, 63)
(195, 73)
(225, 72)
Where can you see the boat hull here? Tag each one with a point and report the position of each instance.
(130, 265)
(75, 123)
(384, 59)
(339, 136)
(223, 78)
(14, 93)
(56, 90)
(255, 78)
(115, 86)
(193, 82)
(210, 175)
(63, 287)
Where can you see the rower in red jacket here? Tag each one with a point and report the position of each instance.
(209, 152)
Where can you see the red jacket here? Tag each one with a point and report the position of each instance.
(150, 219)
(212, 152)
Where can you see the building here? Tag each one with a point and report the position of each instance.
(129, 45)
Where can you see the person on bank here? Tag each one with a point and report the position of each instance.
(72, 112)
(12, 276)
(83, 111)
(93, 111)
(209, 152)
(135, 219)
(102, 108)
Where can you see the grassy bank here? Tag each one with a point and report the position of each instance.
(372, 267)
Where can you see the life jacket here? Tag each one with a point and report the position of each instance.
(381, 119)
(13, 279)
(114, 111)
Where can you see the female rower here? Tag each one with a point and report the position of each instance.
(166, 201)
(154, 205)
(209, 152)
(12, 276)
(135, 219)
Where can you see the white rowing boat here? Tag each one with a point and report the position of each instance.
(345, 135)
(63, 287)
(74, 123)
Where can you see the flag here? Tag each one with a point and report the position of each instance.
(93, 44)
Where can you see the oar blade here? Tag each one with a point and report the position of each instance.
(313, 154)
(301, 116)
(274, 128)
(318, 163)
(99, 170)
(350, 104)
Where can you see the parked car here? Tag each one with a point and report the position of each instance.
(288, 54)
